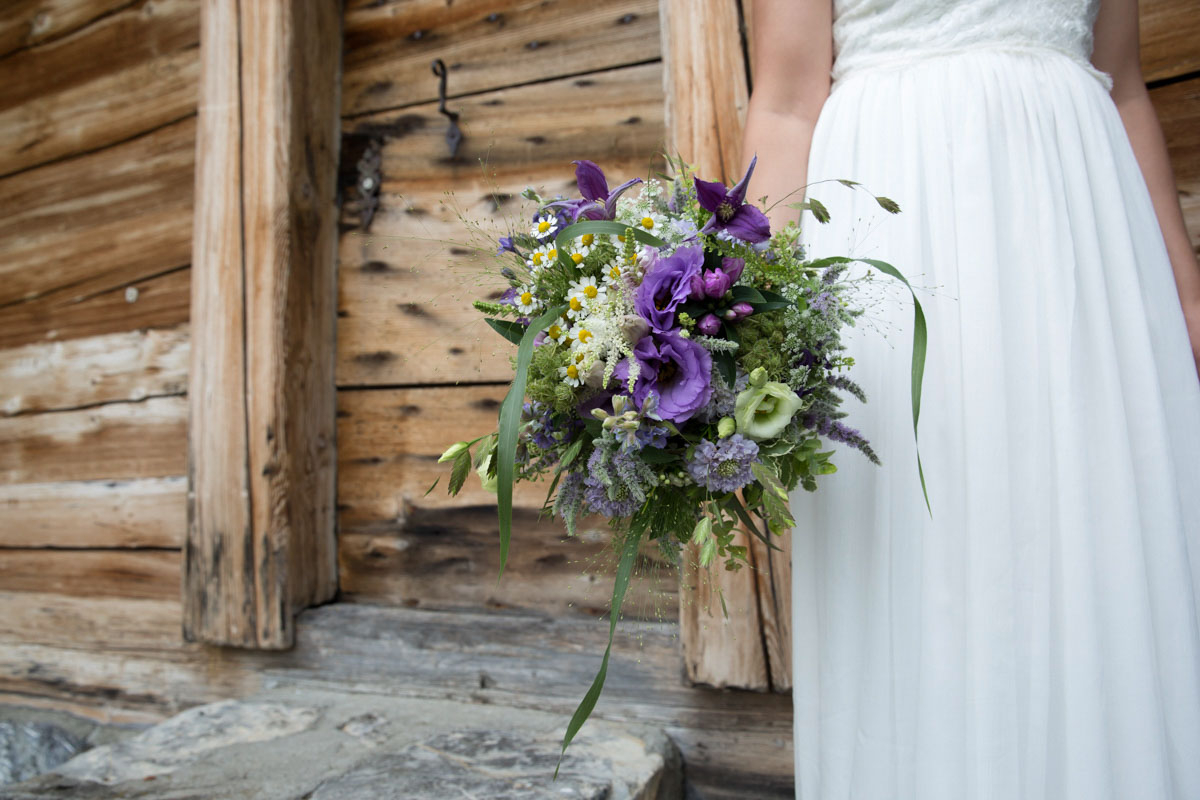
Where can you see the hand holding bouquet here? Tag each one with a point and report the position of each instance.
(683, 366)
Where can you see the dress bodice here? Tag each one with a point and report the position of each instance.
(878, 32)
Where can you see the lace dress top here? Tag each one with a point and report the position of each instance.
(874, 33)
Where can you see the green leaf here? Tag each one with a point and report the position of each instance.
(748, 294)
(848, 183)
(775, 496)
(920, 342)
(435, 483)
(748, 522)
(653, 455)
(509, 329)
(458, 472)
(629, 553)
(510, 419)
(569, 455)
(889, 205)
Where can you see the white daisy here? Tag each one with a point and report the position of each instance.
(571, 374)
(526, 302)
(541, 258)
(589, 293)
(652, 221)
(585, 334)
(611, 274)
(580, 252)
(556, 333)
(544, 226)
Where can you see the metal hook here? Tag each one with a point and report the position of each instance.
(453, 135)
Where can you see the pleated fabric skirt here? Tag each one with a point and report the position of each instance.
(1037, 637)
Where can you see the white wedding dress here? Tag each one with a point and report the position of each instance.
(1037, 638)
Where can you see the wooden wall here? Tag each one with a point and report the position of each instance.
(536, 85)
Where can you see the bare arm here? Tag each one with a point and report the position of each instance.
(793, 53)
(1116, 52)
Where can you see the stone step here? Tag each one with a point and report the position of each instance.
(301, 743)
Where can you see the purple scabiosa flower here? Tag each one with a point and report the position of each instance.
(730, 211)
(667, 283)
(677, 370)
(653, 436)
(725, 465)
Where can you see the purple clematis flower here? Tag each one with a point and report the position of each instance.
(677, 370)
(730, 211)
(506, 245)
(667, 283)
(598, 202)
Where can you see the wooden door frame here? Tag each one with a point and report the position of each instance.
(261, 540)
(707, 93)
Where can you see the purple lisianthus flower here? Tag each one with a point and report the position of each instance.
(677, 370)
(730, 211)
(667, 283)
(725, 465)
(598, 202)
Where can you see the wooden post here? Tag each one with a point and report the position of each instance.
(707, 94)
(261, 541)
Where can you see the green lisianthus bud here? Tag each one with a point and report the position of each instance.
(758, 376)
(726, 427)
(763, 411)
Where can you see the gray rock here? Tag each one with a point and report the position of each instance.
(291, 743)
(31, 748)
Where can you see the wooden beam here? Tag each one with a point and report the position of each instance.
(260, 544)
(707, 94)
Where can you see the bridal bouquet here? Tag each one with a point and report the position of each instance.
(683, 366)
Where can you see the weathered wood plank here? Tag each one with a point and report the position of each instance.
(147, 512)
(706, 91)
(773, 576)
(26, 23)
(450, 559)
(110, 442)
(125, 74)
(611, 115)
(101, 220)
(99, 369)
(261, 541)
(389, 441)
(160, 301)
(705, 85)
(1169, 31)
(91, 573)
(390, 45)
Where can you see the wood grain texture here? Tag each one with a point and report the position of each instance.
(98, 221)
(611, 115)
(143, 512)
(100, 369)
(116, 441)
(1170, 38)
(260, 541)
(706, 90)
(406, 288)
(160, 301)
(705, 85)
(487, 44)
(91, 573)
(448, 558)
(125, 74)
(27, 23)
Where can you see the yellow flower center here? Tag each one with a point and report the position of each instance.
(553, 254)
(576, 305)
(584, 334)
(543, 226)
(588, 238)
(620, 237)
(590, 292)
(572, 371)
(554, 331)
(537, 259)
(576, 257)
(526, 298)
(578, 357)
(614, 273)
(647, 222)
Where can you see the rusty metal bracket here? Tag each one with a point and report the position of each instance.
(454, 136)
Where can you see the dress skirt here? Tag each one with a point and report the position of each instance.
(1036, 638)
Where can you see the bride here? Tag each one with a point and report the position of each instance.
(1037, 635)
